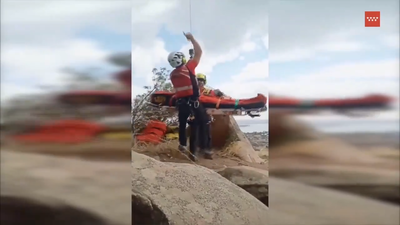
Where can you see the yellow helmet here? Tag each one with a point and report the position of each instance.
(201, 77)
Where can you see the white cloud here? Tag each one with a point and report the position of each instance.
(137, 90)
(350, 71)
(301, 30)
(253, 71)
(220, 24)
(317, 51)
(41, 65)
(239, 90)
(9, 90)
(39, 40)
(265, 41)
(343, 81)
(391, 41)
(210, 59)
(47, 22)
(145, 59)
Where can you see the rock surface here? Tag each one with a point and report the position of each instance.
(102, 189)
(105, 188)
(244, 151)
(259, 140)
(252, 180)
(298, 204)
(190, 194)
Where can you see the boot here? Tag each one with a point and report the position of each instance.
(182, 148)
(208, 154)
(192, 156)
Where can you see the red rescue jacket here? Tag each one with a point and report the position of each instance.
(184, 80)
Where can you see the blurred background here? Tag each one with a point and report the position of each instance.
(322, 50)
(63, 63)
(66, 90)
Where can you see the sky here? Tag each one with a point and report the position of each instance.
(304, 49)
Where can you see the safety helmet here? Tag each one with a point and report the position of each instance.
(176, 59)
(201, 76)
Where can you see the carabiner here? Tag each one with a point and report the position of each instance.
(196, 104)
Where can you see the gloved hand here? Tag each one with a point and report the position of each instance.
(218, 93)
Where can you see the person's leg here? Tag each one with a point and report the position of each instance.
(207, 150)
(183, 115)
(202, 119)
(193, 140)
(208, 131)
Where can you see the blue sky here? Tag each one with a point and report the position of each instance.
(304, 49)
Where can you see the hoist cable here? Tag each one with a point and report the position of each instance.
(190, 15)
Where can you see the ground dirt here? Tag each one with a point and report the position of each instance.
(219, 161)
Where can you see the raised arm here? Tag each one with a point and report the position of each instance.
(198, 52)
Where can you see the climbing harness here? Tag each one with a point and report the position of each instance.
(196, 104)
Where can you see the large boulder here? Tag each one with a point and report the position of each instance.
(252, 180)
(295, 203)
(80, 192)
(284, 127)
(189, 194)
(55, 190)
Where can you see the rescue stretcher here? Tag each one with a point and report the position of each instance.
(215, 106)
(360, 106)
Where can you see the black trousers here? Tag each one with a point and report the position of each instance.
(208, 132)
(198, 132)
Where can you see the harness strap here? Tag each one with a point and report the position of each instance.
(236, 103)
(218, 103)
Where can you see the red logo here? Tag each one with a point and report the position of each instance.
(372, 18)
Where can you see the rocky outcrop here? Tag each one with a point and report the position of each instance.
(283, 128)
(220, 131)
(244, 151)
(294, 203)
(225, 133)
(252, 180)
(301, 154)
(189, 194)
(80, 192)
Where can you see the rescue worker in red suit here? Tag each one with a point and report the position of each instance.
(187, 93)
(202, 80)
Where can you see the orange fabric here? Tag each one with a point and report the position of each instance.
(157, 124)
(67, 132)
(209, 99)
(284, 101)
(219, 101)
(180, 79)
(332, 102)
(154, 131)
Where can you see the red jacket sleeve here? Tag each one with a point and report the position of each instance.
(191, 65)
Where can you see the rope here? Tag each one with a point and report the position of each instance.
(190, 15)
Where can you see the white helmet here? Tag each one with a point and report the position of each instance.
(176, 59)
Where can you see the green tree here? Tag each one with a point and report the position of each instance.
(143, 112)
